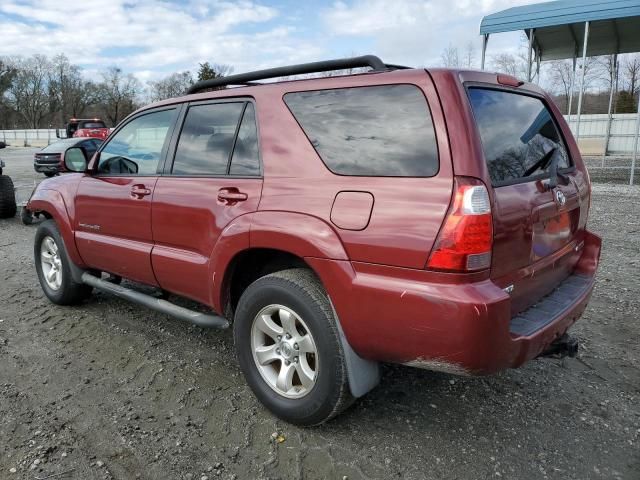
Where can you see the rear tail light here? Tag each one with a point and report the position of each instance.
(465, 240)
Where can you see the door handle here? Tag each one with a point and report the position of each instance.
(139, 191)
(231, 195)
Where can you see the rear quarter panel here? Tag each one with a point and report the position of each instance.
(407, 212)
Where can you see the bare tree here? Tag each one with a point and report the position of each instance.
(29, 91)
(173, 85)
(118, 93)
(632, 73)
(7, 73)
(560, 75)
(469, 59)
(510, 64)
(561, 71)
(450, 57)
(70, 93)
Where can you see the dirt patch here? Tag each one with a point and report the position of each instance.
(111, 390)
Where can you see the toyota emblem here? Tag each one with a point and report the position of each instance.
(560, 198)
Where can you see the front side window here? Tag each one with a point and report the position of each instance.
(136, 149)
(519, 136)
(207, 139)
(369, 131)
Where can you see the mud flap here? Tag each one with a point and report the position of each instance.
(364, 375)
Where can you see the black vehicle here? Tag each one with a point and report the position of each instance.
(7, 193)
(50, 160)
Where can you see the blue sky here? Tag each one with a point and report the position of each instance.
(151, 38)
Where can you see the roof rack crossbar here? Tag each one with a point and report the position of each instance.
(315, 67)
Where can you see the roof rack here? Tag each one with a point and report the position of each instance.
(314, 67)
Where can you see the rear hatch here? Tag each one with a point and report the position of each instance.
(538, 226)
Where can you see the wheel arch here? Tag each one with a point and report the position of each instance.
(50, 203)
(289, 234)
(272, 241)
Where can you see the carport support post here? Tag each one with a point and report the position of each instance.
(635, 144)
(529, 54)
(584, 64)
(572, 86)
(485, 40)
(614, 80)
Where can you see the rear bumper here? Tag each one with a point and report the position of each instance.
(419, 319)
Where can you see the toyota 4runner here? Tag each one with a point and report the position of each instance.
(434, 218)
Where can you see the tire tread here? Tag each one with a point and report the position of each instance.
(8, 207)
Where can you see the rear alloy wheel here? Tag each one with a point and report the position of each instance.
(289, 348)
(284, 351)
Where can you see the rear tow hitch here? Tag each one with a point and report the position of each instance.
(565, 346)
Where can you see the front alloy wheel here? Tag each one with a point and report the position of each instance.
(54, 267)
(51, 263)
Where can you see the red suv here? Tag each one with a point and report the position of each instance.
(435, 218)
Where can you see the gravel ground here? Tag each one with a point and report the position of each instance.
(110, 390)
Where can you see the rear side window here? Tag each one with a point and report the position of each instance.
(518, 133)
(384, 131)
(206, 140)
(245, 160)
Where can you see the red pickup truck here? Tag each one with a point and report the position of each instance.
(434, 218)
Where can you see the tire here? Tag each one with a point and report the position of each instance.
(26, 216)
(63, 291)
(49, 174)
(8, 206)
(298, 294)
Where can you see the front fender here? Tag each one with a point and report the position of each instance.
(52, 203)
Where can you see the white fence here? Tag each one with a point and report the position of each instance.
(22, 138)
(595, 127)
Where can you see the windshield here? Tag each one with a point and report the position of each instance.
(519, 136)
(60, 146)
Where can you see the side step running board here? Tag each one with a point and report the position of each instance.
(162, 306)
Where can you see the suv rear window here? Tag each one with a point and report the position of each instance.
(518, 135)
(383, 131)
(92, 125)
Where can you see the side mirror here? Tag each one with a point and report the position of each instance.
(75, 160)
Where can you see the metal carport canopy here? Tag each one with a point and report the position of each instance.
(559, 26)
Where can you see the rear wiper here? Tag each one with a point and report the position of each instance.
(541, 163)
(554, 174)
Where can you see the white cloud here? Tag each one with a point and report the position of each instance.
(416, 31)
(164, 36)
(153, 38)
